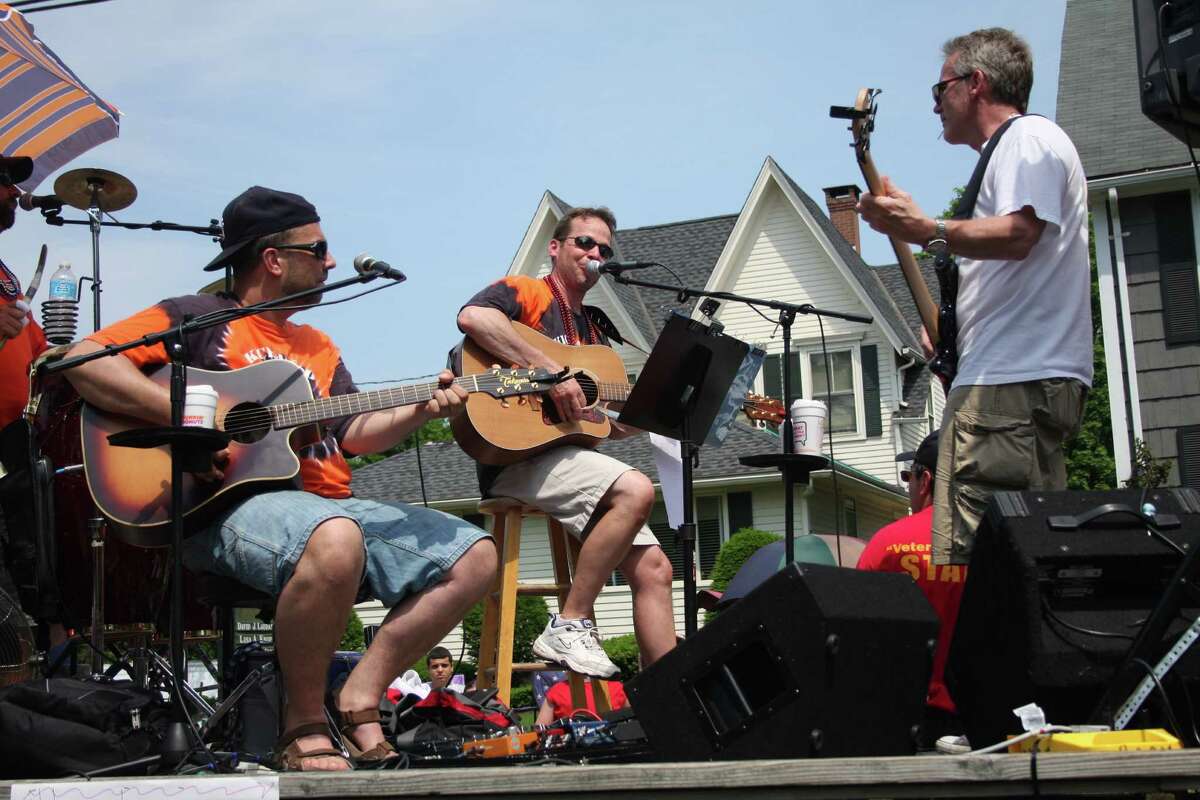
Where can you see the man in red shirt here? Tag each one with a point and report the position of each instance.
(906, 546)
(21, 338)
(558, 705)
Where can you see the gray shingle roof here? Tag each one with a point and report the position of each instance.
(1098, 102)
(450, 473)
(865, 275)
(916, 380)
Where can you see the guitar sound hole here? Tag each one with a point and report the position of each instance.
(247, 423)
(590, 393)
(590, 390)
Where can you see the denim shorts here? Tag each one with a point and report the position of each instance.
(407, 548)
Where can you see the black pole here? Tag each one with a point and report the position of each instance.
(687, 534)
(786, 318)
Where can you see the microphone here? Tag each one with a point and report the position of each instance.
(594, 267)
(46, 202)
(366, 265)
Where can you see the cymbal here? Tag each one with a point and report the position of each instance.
(113, 191)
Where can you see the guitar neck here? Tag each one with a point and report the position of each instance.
(922, 299)
(291, 415)
(614, 392)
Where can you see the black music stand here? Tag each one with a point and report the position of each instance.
(678, 394)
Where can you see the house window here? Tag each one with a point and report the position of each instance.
(843, 416)
(741, 511)
(849, 517)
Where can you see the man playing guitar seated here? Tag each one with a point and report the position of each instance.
(602, 501)
(319, 549)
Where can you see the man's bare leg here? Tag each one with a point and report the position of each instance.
(310, 618)
(411, 629)
(648, 572)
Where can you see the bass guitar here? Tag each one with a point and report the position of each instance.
(269, 412)
(862, 125)
(505, 430)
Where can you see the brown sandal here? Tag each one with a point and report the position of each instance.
(382, 753)
(289, 756)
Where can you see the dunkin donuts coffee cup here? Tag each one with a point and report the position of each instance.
(200, 407)
(808, 426)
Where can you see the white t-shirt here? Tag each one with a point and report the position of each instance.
(1030, 319)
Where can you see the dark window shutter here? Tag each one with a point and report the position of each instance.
(1180, 302)
(772, 370)
(1189, 455)
(741, 511)
(870, 374)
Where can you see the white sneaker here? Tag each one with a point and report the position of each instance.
(953, 745)
(574, 643)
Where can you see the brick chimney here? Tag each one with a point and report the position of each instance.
(840, 200)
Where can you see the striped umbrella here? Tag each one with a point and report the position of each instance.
(46, 112)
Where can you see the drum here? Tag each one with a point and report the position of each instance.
(135, 578)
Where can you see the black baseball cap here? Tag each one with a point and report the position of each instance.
(925, 455)
(14, 169)
(259, 212)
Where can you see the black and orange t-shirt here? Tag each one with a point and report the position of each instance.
(246, 341)
(16, 355)
(529, 301)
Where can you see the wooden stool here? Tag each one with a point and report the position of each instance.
(496, 666)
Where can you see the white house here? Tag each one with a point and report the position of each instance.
(782, 245)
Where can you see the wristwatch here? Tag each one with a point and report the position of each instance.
(938, 244)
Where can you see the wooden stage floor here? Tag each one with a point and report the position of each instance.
(1069, 774)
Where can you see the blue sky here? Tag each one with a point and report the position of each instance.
(426, 131)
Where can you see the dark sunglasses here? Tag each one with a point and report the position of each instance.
(318, 249)
(586, 243)
(907, 475)
(940, 87)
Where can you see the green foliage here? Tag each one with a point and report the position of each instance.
(1089, 456)
(435, 430)
(623, 651)
(734, 553)
(522, 696)
(532, 615)
(1148, 472)
(352, 639)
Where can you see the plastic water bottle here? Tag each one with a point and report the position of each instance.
(60, 309)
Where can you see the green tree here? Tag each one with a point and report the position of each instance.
(352, 638)
(532, 614)
(435, 430)
(1148, 472)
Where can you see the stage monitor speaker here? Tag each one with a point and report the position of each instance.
(1168, 57)
(817, 661)
(1049, 613)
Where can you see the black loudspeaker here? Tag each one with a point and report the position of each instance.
(1049, 612)
(1168, 54)
(817, 661)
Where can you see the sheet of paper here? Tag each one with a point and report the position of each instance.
(670, 474)
(258, 787)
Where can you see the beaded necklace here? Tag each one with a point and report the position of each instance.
(568, 318)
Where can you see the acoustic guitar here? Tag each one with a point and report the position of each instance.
(505, 430)
(269, 412)
(862, 125)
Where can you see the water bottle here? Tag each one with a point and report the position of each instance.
(60, 309)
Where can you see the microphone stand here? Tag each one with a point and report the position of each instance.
(199, 440)
(94, 222)
(794, 467)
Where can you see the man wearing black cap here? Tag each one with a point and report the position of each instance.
(906, 546)
(21, 339)
(319, 549)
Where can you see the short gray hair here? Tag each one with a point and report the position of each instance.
(1002, 56)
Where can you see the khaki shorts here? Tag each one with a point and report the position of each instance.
(567, 483)
(998, 438)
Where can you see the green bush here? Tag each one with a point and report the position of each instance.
(733, 555)
(623, 650)
(522, 696)
(352, 639)
(532, 614)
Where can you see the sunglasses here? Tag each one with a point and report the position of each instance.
(940, 87)
(586, 243)
(907, 475)
(318, 249)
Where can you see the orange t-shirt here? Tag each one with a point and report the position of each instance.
(17, 354)
(246, 341)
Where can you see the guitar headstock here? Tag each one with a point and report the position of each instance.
(500, 382)
(764, 408)
(862, 120)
